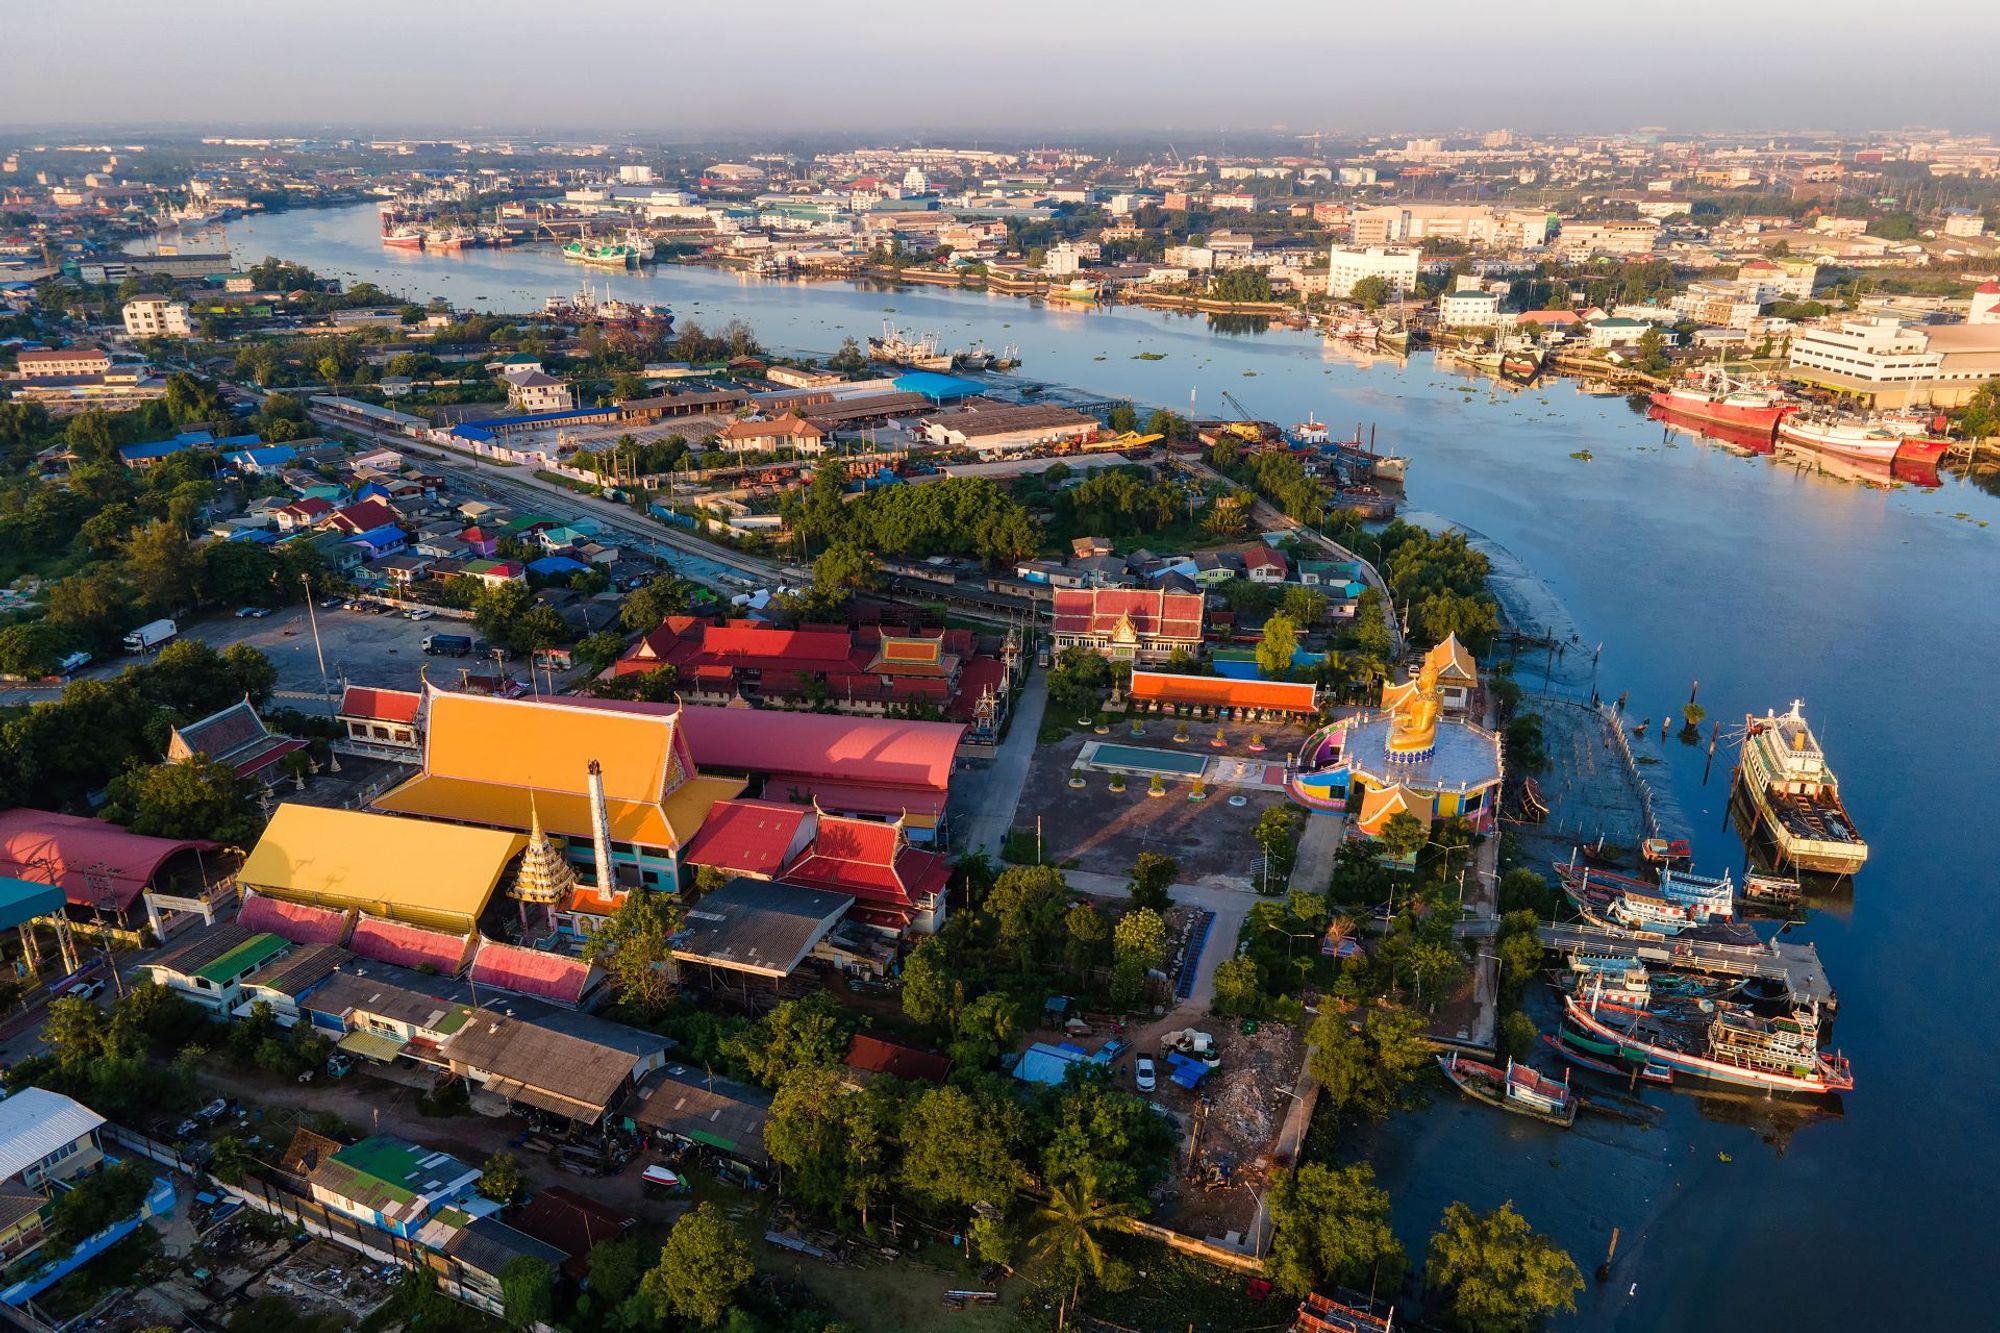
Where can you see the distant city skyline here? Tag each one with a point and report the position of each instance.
(791, 68)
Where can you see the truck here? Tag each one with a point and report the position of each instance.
(150, 636)
(447, 645)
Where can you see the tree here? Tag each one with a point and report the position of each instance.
(1499, 1275)
(830, 1142)
(1068, 1235)
(645, 607)
(1153, 874)
(958, 1148)
(1086, 935)
(162, 566)
(1274, 831)
(598, 651)
(1303, 606)
(849, 360)
(1331, 1229)
(632, 948)
(1403, 835)
(1123, 418)
(811, 1033)
(1138, 946)
(34, 647)
(92, 1204)
(527, 1291)
(1519, 949)
(1078, 682)
(702, 1266)
(1239, 986)
(1169, 424)
(1027, 904)
(1113, 1138)
(1434, 965)
(1367, 1068)
(194, 798)
(927, 983)
(500, 1178)
(1371, 291)
(841, 570)
(984, 1028)
(1277, 647)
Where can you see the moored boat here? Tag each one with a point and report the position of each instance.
(1793, 794)
(1717, 398)
(1575, 1052)
(401, 236)
(1729, 1045)
(601, 254)
(1678, 901)
(1516, 1088)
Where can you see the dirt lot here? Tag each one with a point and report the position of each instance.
(1104, 831)
(1246, 1101)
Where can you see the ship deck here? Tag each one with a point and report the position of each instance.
(1796, 964)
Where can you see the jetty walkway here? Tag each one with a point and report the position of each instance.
(1797, 965)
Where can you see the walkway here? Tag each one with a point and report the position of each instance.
(1312, 869)
(990, 794)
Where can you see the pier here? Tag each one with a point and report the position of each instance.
(1797, 965)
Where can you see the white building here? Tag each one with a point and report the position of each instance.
(1874, 352)
(635, 173)
(532, 391)
(1473, 224)
(1061, 260)
(915, 182)
(1609, 238)
(1469, 310)
(1985, 307)
(157, 317)
(1349, 265)
(1194, 258)
(1963, 222)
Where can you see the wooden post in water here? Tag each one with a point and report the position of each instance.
(1604, 1269)
(1714, 733)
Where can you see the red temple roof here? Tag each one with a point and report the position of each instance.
(747, 837)
(409, 946)
(870, 861)
(380, 705)
(548, 976)
(297, 922)
(1153, 612)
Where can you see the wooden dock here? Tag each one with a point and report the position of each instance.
(1797, 965)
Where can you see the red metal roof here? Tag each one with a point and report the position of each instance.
(297, 922)
(878, 1055)
(549, 976)
(890, 665)
(96, 863)
(364, 516)
(869, 860)
(380, 705)
(573, 1223)
(409, 946)
(747, 837)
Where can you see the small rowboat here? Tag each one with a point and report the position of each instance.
(1516, 1088)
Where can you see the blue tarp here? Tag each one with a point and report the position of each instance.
(1050, 1064)
(552, 566)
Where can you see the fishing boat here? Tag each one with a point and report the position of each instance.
(1324, 1314)
(922, 353)
(1715, 397)
(1394, 339)
(447, 239)
(1770, 890)
(1606, 1062)
(1730, 1045)
(1516, 1088)
(1791, 790)
(1854, 438)
(1521, 360)
(1678, 901)
(586, 307)
(601, 254)
(1667, 851)
(400, 235)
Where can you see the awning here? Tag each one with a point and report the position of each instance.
(371, 1046)
(542, 1100)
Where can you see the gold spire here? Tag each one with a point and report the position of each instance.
(545, 875)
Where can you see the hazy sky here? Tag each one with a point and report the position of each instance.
(668, 69)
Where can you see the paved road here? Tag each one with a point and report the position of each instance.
(1312, 870)
(991, 794)
(1231, 902)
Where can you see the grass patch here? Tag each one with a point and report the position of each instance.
(1169, 1289)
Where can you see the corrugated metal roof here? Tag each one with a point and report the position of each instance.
(34, 1122)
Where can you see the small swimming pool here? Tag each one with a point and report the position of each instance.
(1138, 758)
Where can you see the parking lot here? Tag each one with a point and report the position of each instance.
(367, 649)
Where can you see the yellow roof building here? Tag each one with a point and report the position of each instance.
(434, 875)
(1452, 663)
(1381, 804)
(498, 762)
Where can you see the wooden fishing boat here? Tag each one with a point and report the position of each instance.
(1731, 1045)
(1604, 1062)
(1515, 1088)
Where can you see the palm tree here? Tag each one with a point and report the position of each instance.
(1070, 1225)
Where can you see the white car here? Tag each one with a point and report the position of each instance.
(1143, 1074)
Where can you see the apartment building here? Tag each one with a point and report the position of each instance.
(1609, 238)
(1471, 309)
(1473, 224)
(157, 317)
(1348, 265)
(56, 362)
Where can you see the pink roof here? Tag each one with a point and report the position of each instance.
(380, 705)
(1154, 612)
(297, 922)
(866, 751)
(409, 946)
(548, 976)
(96, 863)
(747, 837)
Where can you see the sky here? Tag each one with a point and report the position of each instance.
(677, 70)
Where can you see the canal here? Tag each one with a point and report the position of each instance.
(1686, 562)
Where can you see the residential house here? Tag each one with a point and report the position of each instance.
(532, 391)
(790, 431)
(382, 719)
(45, 1138)
(569, 1065)
(210, 968)
(696, 1108)
(495, 573)
(1265, 564)
(393, 1185)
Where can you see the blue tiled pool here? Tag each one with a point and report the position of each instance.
(1142, 760)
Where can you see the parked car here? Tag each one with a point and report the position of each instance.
(1144, 1076)
(84, 990)
(215, 1110)
(420, 614)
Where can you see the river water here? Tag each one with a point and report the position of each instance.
(1687, 563)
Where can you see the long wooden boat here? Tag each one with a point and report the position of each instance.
(1605, 1061)
(1516, 1088)
(1783, 774)
(1731, 1045)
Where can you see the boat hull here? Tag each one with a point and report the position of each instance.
(1696, 1066)
(1483, 1090)
(1702, 407)
(1859, 446)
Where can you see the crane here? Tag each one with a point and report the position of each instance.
(1247, 424)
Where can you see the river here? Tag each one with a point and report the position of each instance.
(1687, 562)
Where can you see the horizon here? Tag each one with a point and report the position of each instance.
(1118, 69)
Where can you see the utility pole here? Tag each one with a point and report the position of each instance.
(312, 615)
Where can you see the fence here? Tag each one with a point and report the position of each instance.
(1610, 718)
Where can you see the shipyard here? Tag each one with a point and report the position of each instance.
(710, 721)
